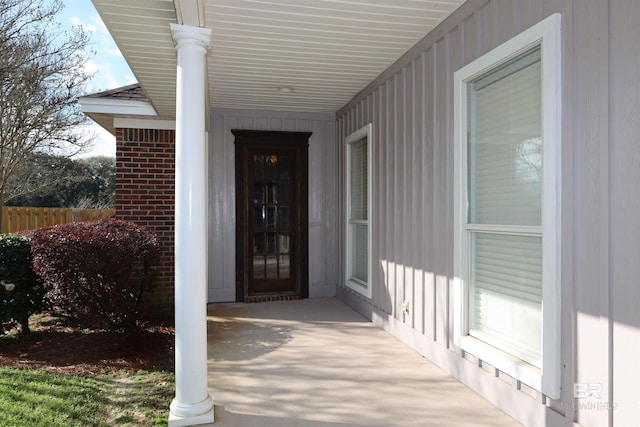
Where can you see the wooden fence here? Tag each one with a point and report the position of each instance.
(16, 219)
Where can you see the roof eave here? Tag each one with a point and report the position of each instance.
(104, 111)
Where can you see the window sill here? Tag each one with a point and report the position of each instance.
(359, 287)
(512, 366)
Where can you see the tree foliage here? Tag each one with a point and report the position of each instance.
(21, 293)
(98, 187)
(41, 77)
(46, 180)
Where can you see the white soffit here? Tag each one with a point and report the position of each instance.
(325, 50)
(140, 28)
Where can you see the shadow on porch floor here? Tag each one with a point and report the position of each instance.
(317, 363)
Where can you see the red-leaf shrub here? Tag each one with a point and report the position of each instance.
(95, 271)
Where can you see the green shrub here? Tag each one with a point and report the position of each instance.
(21, 294)
(95, 271)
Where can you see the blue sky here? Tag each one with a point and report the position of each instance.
(107, 64)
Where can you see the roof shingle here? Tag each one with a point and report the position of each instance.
(131, 92)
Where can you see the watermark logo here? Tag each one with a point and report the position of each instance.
(589, 398)
(587, 391)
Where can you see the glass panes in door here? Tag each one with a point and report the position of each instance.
(271, 237)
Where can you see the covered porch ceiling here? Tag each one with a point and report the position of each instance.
(295, 55)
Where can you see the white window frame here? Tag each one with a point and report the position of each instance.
(546, 379)
(355, 284)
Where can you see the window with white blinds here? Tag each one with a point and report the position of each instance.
(504, 160)
(507, 207)
(505, 144)
(358, 210)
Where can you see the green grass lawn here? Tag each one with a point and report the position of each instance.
(40, 398)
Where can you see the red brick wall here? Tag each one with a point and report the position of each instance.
(145, 182)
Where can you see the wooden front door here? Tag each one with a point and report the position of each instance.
(271, 214)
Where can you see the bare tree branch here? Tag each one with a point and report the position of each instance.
(41, 78)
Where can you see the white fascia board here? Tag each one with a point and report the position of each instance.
(117, 106)
(131, 123)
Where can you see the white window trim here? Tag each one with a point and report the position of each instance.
(547, 35)
(357, 285)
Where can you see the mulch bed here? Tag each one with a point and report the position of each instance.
(58, 345)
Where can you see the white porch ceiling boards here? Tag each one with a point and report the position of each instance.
(326, 50)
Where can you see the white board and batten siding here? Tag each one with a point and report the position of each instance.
(410, 107)
(619, 265)
(323, 196)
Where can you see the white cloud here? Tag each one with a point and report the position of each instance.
(113, 52)
(114, 81)
(105, 62)
(91, 66)
(104, 145)
(77, 22)
(99, 23)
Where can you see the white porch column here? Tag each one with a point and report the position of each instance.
(192, 404)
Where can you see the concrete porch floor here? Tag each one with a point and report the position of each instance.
(317, 363)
